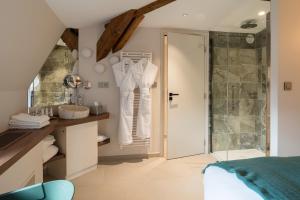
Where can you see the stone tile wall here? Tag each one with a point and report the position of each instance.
(238, 91)
(50, 90)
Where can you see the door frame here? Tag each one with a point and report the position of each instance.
(164, 86)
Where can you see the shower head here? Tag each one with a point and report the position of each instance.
(250, 39)
(250, 23)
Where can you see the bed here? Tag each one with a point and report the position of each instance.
(270, 178)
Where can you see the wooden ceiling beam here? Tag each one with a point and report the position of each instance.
(113, 32)
(70, 37)
(119, 30)
(128, 33)
(153, 6)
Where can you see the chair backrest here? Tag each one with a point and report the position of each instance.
(53, 190)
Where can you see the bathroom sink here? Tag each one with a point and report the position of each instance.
(73, 112)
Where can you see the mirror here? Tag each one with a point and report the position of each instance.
(72, 81)
(56, 80)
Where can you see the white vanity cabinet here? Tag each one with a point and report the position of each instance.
(26, 171)
(79, 144)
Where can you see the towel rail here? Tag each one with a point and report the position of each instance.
(137, 142)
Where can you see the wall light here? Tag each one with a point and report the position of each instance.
(86, 52)
(114, 60)
(261, 13)
(100, 68)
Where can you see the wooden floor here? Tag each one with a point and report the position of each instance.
(148, 179)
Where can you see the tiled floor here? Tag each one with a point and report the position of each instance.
(238, 154)
(148, 179)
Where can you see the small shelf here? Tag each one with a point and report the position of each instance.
(104, 142)
(56, 157)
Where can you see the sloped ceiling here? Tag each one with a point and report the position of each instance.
(202, 14)
(29, 31)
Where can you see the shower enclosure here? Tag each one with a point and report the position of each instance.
(239, 108)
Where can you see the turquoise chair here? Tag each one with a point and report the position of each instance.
(54, 190)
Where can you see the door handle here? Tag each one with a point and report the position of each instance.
(171, 95)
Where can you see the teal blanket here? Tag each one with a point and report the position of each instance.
(274, 178)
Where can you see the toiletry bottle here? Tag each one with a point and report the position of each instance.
(42, 111)
(51, 112)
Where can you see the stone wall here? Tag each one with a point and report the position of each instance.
(50, 90)
(238, 91)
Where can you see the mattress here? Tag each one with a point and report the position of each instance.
(222, 185)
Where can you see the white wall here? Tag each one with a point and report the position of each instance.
(12, 102)
(144, 39)
(29, 31)
(285, 66)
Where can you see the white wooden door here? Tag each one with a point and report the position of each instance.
(186, 112)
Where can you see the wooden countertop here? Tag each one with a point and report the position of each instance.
(17, 150)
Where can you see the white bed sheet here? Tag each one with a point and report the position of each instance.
(222, 185)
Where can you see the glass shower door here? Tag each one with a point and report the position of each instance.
(238, 95)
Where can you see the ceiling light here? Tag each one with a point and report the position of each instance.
(185, 14)
(261, 13)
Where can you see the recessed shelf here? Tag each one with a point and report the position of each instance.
(104, 142)
(56, 157)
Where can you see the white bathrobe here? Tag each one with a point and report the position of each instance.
(144, 73)
(125, 81)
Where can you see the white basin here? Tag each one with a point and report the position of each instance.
(73, 112)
